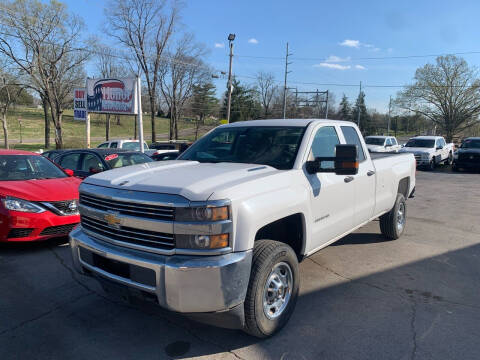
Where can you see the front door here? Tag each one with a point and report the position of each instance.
(332, 198)
(364, 181)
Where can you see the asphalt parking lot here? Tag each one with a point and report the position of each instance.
(362, 298)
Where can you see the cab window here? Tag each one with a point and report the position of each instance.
(114, 145)
(104, 145)
(394, 141)
(351, 137)
(324, 144)
(92, 163)
(70, 161)
(389, 142)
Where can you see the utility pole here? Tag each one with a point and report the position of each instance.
(231, 37)
(359, 94)
(285, 84)
(389, 113)
(326, 107)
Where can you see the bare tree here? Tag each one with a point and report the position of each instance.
(43, 41)
(447, 93)
(179, 74)
(266, 88)
(9, 93)
(144, 27)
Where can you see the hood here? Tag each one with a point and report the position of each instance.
(42, 190)
(415, 150)
(468, 151)
(375, 147)
(190, 179)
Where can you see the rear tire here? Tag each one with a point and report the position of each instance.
(392, 224)
(273, 288)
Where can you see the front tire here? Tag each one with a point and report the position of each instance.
(273, 288)
(450, 159)
(392, 224)
(431, 165)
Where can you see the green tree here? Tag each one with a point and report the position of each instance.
(447, 93)
(244, 106)
(345, 110)
(204, 103)
(365, 120)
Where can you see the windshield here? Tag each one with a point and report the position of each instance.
(121, 160)
(471, 144)
(425, 143)
(28, 167)
(133, 146)
(276, 146)
(374, 141)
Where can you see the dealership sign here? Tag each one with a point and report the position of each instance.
(79, 104)
(112, 96)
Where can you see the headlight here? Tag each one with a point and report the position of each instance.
(15, 204)
(202, 213)
(202, 242)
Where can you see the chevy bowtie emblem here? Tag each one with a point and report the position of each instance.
(112, 219)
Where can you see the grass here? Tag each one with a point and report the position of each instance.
(33, 128)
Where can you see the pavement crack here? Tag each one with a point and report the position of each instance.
(350, 279)
(414, 330)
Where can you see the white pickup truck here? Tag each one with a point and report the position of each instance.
(218, 233)
(379, 143)
(430, 151)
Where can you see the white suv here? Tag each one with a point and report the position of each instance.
(125, 144)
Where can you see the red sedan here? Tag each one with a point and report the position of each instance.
(38, 200)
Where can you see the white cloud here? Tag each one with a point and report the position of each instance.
(336, 59)
(332, 66)
(253, 41)
(350, 43)
(219, 45)
(360, 67)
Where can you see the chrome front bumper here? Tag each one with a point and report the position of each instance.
(181, 283)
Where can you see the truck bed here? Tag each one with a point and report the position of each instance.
(380, 155)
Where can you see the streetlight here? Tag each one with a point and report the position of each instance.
(231, 37)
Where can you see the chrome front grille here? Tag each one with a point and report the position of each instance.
(128, 208)
(418, 158)
(129, 235)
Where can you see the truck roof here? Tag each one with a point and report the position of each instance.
(429, 137)
(379, 136)
(287, 122)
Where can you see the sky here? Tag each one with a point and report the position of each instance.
(335, 45)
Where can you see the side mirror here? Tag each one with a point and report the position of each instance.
(345, 161)
(69, 172)
(439, 147)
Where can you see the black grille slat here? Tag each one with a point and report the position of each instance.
(19, 233)
(129, 235)
(63, 207)
(141, 210)
(58, 230)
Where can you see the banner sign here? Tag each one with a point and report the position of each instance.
(79, 104)
(111, 96)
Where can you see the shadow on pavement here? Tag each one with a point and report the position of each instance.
(424, 309)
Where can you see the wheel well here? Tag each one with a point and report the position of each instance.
(404, 186)
(288, 230)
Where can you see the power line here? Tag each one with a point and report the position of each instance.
(365, 58)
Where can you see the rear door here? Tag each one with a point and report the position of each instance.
(71, 161)
(332, 199)
(364, 181)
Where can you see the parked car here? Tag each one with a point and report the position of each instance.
(92, 161)
(51, 154)
(124, 144)
(382, 144)
(468, 155)
(163, 155)
(38, 200)
(430, 151)
(218, 233)
(170, 145)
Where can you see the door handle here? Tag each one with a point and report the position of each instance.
(370, 173)
(348, 179)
